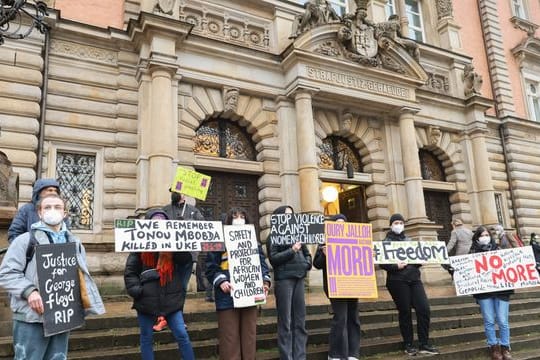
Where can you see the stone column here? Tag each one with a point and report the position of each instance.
(307, 153)
(446, 26)
(400, 7)
(411, 167)
(288, 153)
(158, 38)
(484, 185)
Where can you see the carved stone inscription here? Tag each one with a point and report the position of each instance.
(356, 82)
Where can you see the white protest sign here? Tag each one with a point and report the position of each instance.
(167, 235)
(411, 252)
(244, 265)
(494, 271)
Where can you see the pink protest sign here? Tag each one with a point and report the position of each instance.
(349, 260)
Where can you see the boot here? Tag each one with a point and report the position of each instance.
(505, 350)
(495, 352)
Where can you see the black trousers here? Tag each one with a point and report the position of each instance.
(344, 339)
(408, 295)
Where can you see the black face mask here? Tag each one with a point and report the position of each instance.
(175, 197)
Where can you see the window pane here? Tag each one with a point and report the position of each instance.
(390, 8)
(411, 6)
(76, 175)
(536, 105)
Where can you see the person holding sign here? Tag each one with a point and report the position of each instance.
(494, 306)
(344, 337)
(237, 327)
(404, 283)
(154, 281)
(31, 307)
(291, 264)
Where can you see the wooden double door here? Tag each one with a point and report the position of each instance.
(228, 190)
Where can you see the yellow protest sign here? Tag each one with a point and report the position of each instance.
(191, 183)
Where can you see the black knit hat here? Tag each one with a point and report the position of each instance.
(396, 217)
(338, 217)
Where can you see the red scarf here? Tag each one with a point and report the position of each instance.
(164, 266)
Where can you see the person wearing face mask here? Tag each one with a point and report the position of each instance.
(179, 209)
(18, 276)
(494, 306)
(404, 283)
(344, 336)
(237, 327)
(291, 264)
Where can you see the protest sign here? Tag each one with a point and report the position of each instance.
(244, 265)
(191, 183)
(411, 252)
(494, 271)
(287, 229)
(349, 261)
(59, 287)
(167, 235)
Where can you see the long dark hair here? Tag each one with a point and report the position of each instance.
(476, 245)
(235, 211)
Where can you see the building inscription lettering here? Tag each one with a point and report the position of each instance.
(356, 82)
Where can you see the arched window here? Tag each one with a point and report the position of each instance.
(336, 153)
(222, 138)
(430, 166)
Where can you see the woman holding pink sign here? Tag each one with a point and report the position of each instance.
(494, 306)
(237, 327)
(344, 337)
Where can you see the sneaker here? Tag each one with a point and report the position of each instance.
(161, 324)
(428, 349)
(410, 350)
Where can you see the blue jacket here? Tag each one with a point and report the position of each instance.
(27, 214)
(217, 272)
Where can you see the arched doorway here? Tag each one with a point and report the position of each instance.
(341, 196)
(437, 203)
(225, 139)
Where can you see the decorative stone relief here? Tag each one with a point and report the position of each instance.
(227, 25)
(438, 82)
(83, 51)
(444, 9)
(434, 134)
(9, 183)
(230, 99)
(317, 13)
(391, 29)
(329, 48)
(346, 121)
(358, 36)
(472, 81)
(524, 25)
(165, 6)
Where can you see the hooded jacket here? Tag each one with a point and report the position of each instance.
(287, 263)
(20, 283)
(27, 214)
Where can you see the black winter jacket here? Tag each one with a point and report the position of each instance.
(216, 275)
(142, 284)
(319, 262)
(410, 272)
(287, 263)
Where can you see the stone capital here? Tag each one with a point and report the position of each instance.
(302, 90)
(407, 111)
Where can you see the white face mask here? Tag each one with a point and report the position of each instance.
(398, 228)
(238, 221)
(484, 240)
(52, 217)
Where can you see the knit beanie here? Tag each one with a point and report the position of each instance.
(396, 217)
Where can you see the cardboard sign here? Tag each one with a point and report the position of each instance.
(244, 265)
(349, 261)
(411, 252)
(287, 229)
(191, 183)
(59, 287)
(167, 235)
(495, 271)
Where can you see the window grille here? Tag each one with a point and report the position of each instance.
(76, 174)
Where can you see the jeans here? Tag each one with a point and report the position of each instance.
(408, 295)
(291, 319)
(30, 344)
(495, 310)
(344, 339)
(185, 274)
(175, 321)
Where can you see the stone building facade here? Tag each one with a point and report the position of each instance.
(277, 102)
